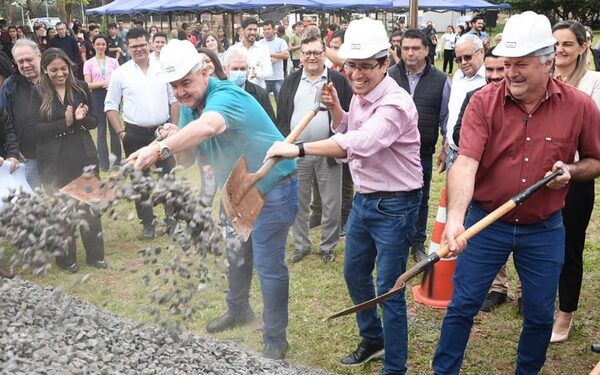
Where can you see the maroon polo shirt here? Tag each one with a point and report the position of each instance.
(515, 148)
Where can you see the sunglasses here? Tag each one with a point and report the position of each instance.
(466, 58)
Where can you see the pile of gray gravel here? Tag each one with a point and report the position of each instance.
(44, 331)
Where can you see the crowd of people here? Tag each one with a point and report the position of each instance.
(363, 167)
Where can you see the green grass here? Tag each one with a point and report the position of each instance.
(317, 290)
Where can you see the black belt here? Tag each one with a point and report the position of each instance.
(389, 194)
(142, 129)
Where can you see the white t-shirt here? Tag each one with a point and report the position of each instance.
(449, 40)
(275, 45)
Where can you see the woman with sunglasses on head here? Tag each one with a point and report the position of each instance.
(571, 66)
(62, 115)
(97, 72)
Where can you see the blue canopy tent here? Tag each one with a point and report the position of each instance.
(160, 6)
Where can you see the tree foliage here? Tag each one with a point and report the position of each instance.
(584, 11)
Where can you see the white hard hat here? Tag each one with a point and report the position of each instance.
(177, 59)
(364, 39)
(526, 34)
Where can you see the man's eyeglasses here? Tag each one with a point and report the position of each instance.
(139, 46)
(316, 54)
(466, 58)
(350, 67)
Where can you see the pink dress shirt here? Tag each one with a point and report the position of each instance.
(381, 139)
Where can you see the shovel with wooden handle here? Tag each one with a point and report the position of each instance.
(444, 250)
(242, 201)
(88, 188)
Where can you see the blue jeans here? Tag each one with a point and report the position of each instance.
(98, 97)
(538, 252)
(267, 247)
(274, 87)
(32, 174)
(421, 234)
(379, 232)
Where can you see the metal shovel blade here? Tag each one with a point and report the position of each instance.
(241, 199)
(89, 190)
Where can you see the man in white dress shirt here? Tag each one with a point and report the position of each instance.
(147, 103)
(469, 54)
(259, 57)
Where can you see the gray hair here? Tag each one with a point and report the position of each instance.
(469, 38)
(547, 57)
(235, 52)
(24, 42)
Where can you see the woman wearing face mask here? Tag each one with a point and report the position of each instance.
(97, 72)
(62, 116)
(571, 66)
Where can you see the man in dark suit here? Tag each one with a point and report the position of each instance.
(430, 90)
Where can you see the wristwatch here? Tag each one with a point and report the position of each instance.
(163, 151)
(300, 145)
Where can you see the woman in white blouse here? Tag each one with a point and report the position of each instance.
(449, 39)
(571, 67)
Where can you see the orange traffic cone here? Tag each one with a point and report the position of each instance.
(436, 287)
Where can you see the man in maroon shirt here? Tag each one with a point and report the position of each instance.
(513, 134)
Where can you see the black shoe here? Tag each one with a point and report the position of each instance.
(276, 351)
(230, 320)
(299, 255)
(73, 268)
(314, 221)
(364, 353)
(148, 232)
(6, 274)
(418, 251)
(101, 264)
(492, 301)
(327, 257)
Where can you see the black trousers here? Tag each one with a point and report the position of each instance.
(579, 204)
(448, 59)
(93, 241)
(137, 137)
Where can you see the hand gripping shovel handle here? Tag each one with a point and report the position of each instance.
(445, 250)
(294, 134)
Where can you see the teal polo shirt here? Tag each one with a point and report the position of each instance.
(249, 131)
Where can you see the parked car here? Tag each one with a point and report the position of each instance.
(49, 21)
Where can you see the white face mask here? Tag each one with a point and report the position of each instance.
(238, 77)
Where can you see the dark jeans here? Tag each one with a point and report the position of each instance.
(98, 97)
(577, 212)
(421, 233)
(538, 252)
(137, 137)
(379, 233)
(448, 59)
(265, 250)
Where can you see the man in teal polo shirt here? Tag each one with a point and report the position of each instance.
(224, 122)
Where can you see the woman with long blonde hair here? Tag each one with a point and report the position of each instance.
(571, 66)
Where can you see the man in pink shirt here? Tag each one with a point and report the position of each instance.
(379, 139)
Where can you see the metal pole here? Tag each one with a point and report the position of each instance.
(413, 13)
(22, 16)
(82, 14)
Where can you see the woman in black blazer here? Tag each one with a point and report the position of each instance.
(62, 117)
